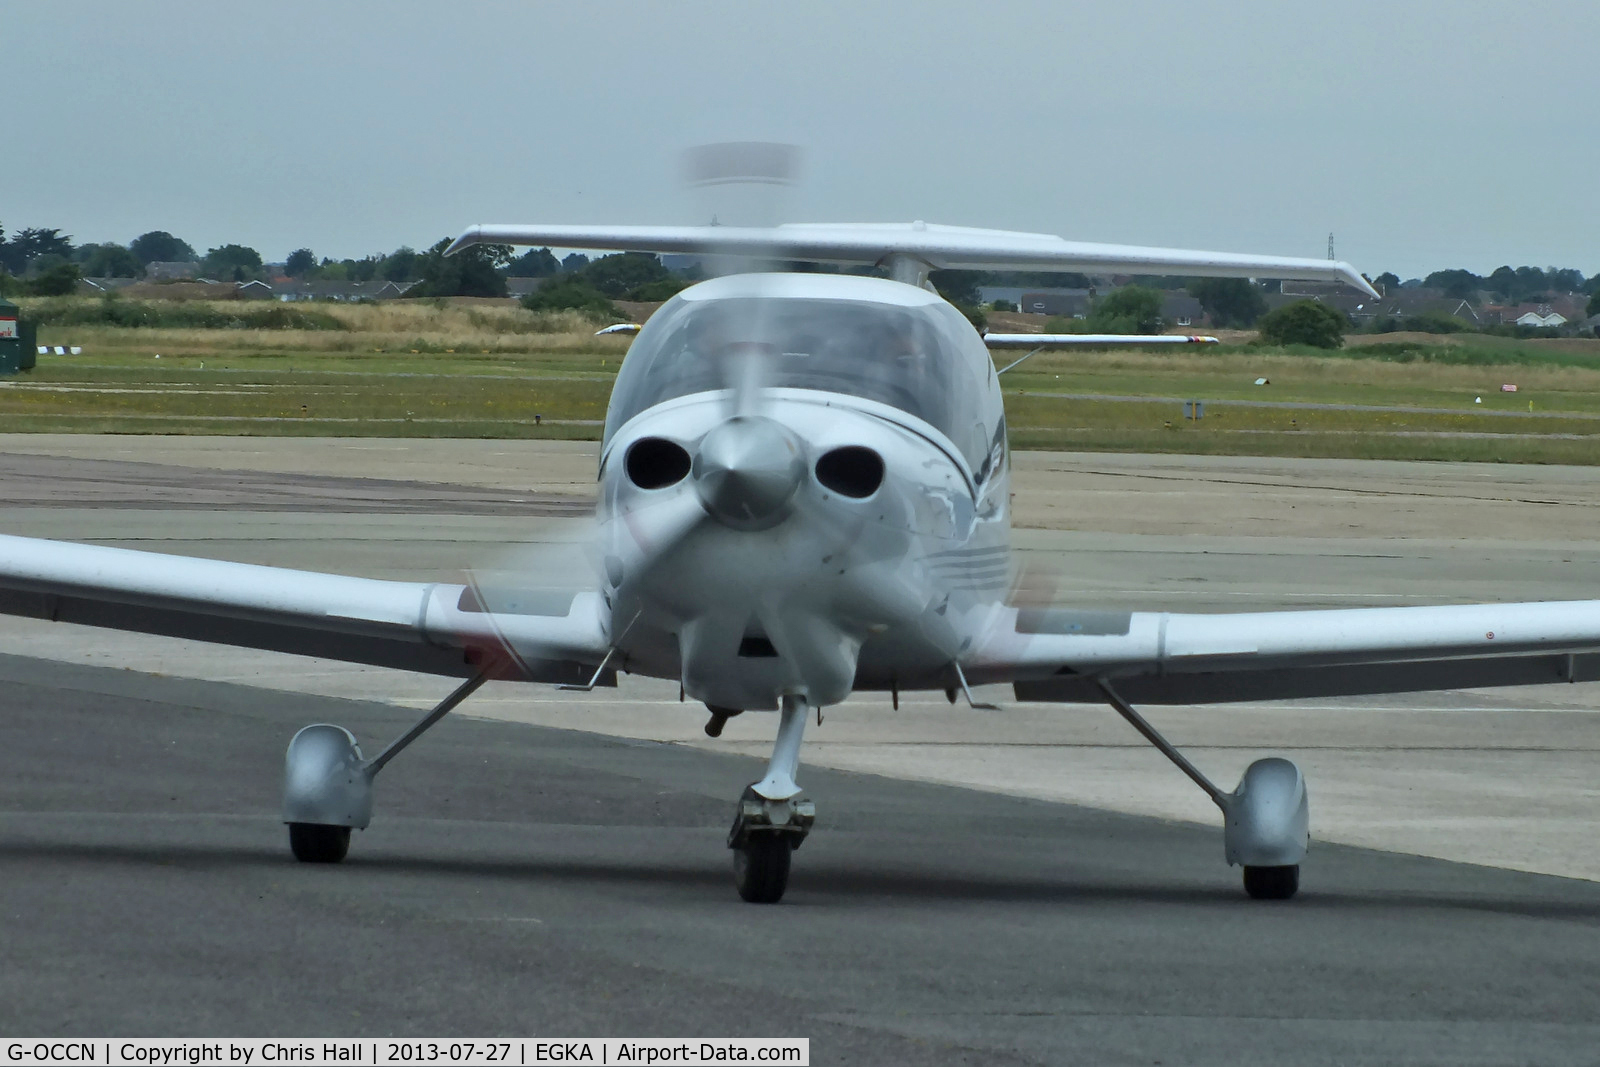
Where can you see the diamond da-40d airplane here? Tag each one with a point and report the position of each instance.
(804, 492)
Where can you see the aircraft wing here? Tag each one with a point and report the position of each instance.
(433, 628)
(1159, 658)
(941, 247)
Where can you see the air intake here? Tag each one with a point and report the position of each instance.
(852, 471)
(655, 463)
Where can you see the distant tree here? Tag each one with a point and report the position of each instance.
(1386, 281)
(960, 287)
(623, 275)
(1594, 304)
(1002, 305)
(9, 285)
(1230, 301)
(571, 292)
(301, 262)
(1503, 283)
(471, 272)
(232, 262)
(1564, 279)
(404, 264)
(1304, 322)
(110, 261)
(159, 246)
(40, 242)
(51, 261)
(1592, 285)
(575, 262)
(18, 254)
(1461, 284)
(1531, 281)
(60, 279)
(1130, 309)
(534, 263)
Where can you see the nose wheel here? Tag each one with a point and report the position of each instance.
(316, 843)
(1272, 883)
(761, 868)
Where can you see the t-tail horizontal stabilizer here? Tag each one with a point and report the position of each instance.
(1064, 340)
(932, 247)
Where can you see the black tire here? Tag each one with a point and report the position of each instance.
(314, 843)
(1272, 883)
(761, 868)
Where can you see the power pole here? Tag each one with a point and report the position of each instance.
(1330, 247)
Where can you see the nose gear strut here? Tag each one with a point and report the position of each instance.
(773, 819)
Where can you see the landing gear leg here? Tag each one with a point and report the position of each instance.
(327, 785)
(773, 818)
(1266, 820)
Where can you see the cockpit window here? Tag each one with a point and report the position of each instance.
(924, 360)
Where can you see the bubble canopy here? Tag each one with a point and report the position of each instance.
(863, 337)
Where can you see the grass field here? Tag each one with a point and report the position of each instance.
(464, 369)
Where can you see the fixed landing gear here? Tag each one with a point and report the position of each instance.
(1266, 820)
(316, 843)
(1272, 883)
(773, 818)
(327, 785)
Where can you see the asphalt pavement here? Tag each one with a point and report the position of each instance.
(533, 881)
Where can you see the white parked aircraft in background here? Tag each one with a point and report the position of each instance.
(804, 492)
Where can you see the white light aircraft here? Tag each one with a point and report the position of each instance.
(804, 493)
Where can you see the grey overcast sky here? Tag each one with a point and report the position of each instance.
(1423, 133)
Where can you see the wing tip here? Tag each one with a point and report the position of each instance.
(469, 237)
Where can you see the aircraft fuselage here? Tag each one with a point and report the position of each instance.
(811, 496)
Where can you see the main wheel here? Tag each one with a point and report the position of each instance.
(315, 843)
(761, 868)
(1272, 883)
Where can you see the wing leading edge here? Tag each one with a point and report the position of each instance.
(1157, 658)
(433, 628)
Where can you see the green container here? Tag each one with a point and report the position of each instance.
(19, 349)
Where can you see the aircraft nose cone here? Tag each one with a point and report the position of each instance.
(746, 472)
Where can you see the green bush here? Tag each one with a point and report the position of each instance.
(661, 289)
(59, 280)
(1131, 309)
(1304, 322)
(164, 315)
(571, 293)
(1436, 322)
(1229, 301)
(975, 315)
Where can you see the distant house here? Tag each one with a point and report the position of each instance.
(1557, 311)
(988, 294)
(1399, 303)
(1068, 303)
(517, 288)
(100, 286)
(343, 292)
(1542, 315)
(171, 272)
(255, 291)
(1181, 309)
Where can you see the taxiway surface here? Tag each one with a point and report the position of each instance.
(517, 873)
